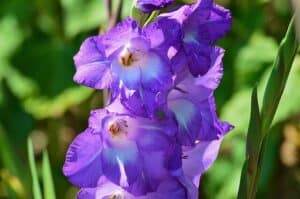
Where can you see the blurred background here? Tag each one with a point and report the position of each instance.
(38, 98)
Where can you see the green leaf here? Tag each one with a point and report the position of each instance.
(44, 107)
(279, 75)
(11, 31)
(270, 159)
(37, 194)
(272, 95)
(186, 1)
(42, 77)
(7, 155)
(254, 131)
(242, 194)
(289, 104)
(139, 16)
(49, 191)
(253, 147)
(240, 101)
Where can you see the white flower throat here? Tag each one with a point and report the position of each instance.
(131, 56)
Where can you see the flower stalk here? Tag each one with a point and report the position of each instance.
(142, 61)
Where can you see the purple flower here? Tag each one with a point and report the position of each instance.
(160, 131)
(123, 148)
(193, 105)
(202, 24)
(150, 5)
(125, 55)
(127, 59)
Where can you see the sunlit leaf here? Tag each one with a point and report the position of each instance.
(37, 194)
(43, 107)
(49, 191)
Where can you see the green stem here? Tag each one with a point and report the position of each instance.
(186, 1)
(151, 18)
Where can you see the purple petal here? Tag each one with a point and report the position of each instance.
(150, 5)
(199, 57)
(83, 160)
(96, 120)
(161, 35)
(122, 165)
(220, 18)
(130, 76)
(170, 188)
(143, 103)
(155, 74)
(189, 120)
(105, 190)
(199, 159)
(154, 167)
(87, 193)
(193, 105)
(210, 21)
(118, 36)
(90, 51)
(91, 68)
(212, 78)
(212, 127)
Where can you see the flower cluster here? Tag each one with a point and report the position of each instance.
(159, 131)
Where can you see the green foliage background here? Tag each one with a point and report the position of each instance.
(38, 98)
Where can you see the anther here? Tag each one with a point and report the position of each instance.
(126, 58)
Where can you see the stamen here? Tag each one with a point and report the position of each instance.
(114, 129)
(118, 127)
(116, 196)
(126, 58)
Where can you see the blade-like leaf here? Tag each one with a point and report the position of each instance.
(35, 180)
(252, 148)
(259, 126)
(254, 135)
(277, 81)
(49, 191)
(242, 194)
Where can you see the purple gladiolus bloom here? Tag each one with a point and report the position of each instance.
(193, 105)
(127, 150)
(150, 5)
(127, 56)
(202, 24)
(127, 59)
(160, 131)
